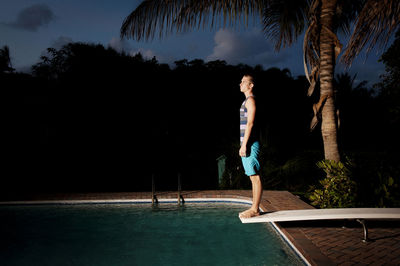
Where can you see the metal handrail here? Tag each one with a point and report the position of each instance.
(154, 199)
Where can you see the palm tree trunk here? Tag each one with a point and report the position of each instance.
(327, 66)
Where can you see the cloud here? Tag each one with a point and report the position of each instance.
(57, 44)
(120, 45)
(247, 47)
(124, 46)
(24, 69)
(33, 17)
(146, 53)
(60, 42)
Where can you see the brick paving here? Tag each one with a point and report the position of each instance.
(320, 242)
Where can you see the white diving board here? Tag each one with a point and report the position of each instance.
(359, 214)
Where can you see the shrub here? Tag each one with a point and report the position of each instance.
(386, 192)
(337, 189)
(377, 175)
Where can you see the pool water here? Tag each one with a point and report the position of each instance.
(128, 234)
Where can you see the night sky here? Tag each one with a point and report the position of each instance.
(28, 27)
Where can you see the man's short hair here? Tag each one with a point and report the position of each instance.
(250, 77)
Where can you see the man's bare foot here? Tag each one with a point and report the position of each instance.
(249, 213)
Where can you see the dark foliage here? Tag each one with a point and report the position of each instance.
(92, 119)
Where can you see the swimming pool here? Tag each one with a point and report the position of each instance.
(137, 234)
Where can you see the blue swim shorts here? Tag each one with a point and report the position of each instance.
(251, 164)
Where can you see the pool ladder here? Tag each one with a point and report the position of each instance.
(154, 199)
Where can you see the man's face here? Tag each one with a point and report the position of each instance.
(246, 84)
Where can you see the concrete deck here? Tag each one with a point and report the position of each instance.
(321, 242)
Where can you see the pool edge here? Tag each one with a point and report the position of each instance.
(163, 201)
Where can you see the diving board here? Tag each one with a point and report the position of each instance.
(359, 214)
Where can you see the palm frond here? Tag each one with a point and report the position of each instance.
(346, 12)
(284, 21)
(311, 55)
(166, 16)
(311, 51)
(376, 22)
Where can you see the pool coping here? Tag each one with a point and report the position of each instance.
(271, 201)
(123, 201)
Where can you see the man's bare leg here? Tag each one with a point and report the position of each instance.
(257, 193)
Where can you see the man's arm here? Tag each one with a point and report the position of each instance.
(251, 113)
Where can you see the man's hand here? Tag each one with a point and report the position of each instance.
(242, 151)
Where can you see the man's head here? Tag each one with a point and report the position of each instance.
(247, 83)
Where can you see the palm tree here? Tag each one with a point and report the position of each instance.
(283, 22)
(321, 50)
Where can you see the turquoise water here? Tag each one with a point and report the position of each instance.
(110, 234)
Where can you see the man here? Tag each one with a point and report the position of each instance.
(250, 146)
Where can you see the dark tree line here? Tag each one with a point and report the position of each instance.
(92, 119)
